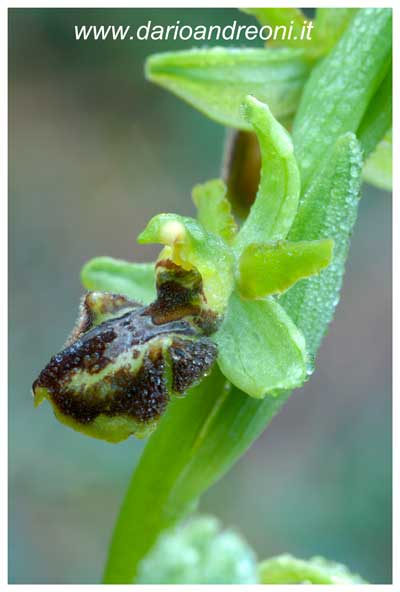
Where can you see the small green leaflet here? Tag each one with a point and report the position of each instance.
(266, 269)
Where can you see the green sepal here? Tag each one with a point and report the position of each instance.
(214, 210)
(216, 81)
(273, 212)
(135, 280)
(190, 246)
(378, 168)
(266, 269)
(260, 350)
(286, 569)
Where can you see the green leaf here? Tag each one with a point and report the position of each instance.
(340, 88)
(214, 209)
(199, 553)
(272, 213)
(191, 246)
(135, 280)
(378, 168)
(260, 350)
(216, 81)
(286, 569)
(266, 269)
(328, 209)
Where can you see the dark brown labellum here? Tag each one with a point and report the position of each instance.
(123, 361)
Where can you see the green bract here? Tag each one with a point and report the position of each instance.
(340, 89)
(328, 209)
(216, 81)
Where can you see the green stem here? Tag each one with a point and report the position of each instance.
(198, 440)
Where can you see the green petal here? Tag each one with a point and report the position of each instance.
(286, 569)
(135, 280)
(260, 349)
(266, 269)
(214, 209)
(328, 210)
(272, 213)
(378, 168)
(217, 80)
(191, 246)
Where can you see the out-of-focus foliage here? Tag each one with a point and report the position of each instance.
(286, 569)
(199, 553)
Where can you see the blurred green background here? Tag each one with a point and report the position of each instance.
(95, 150)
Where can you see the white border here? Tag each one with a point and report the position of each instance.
(3, 275)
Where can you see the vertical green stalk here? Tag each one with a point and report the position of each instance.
(200, 437)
